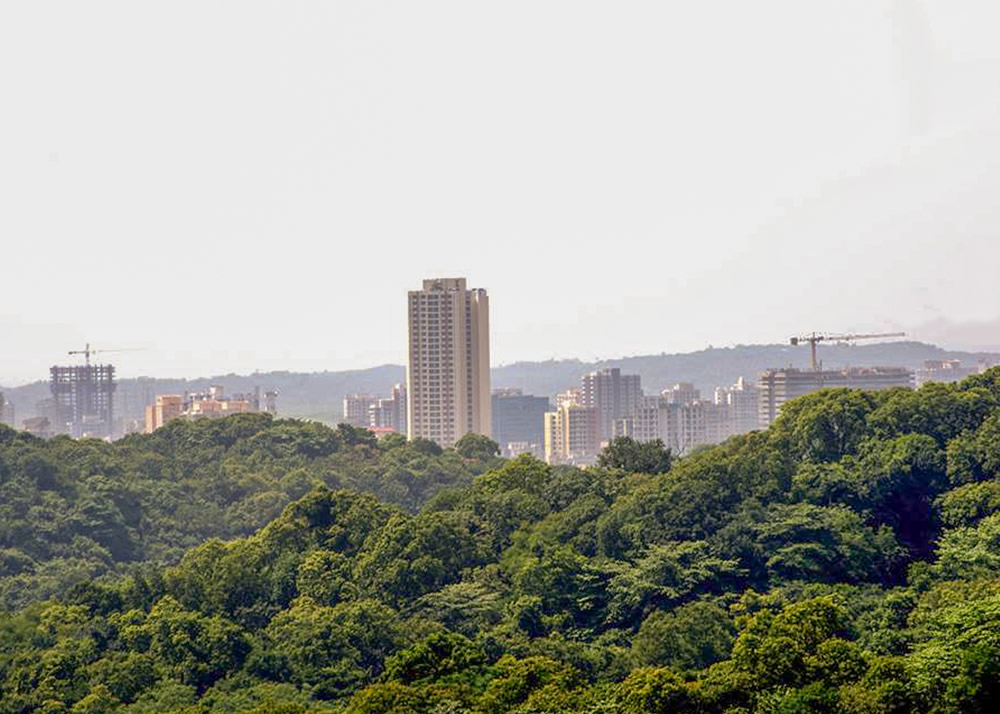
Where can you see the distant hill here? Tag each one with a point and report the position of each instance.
(318, 395)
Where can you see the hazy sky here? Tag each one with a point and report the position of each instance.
(255, 185)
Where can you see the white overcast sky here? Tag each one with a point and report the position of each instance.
(255, 185)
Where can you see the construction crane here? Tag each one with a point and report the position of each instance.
(86, 352)
(817, 337)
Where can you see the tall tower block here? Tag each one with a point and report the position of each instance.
(448, 371)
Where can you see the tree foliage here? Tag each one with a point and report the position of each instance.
(71, 511)
(845, 560)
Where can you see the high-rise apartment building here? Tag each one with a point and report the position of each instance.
(367, 411)
(389, 413)
(572, 435)
(355, 409)
(448, 375)
(700, 423)
(644, 423)
(614, 395)
(743, 401)
(684, 425)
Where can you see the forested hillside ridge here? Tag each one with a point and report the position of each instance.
(845, 560)
(79, 510)
(318, 395)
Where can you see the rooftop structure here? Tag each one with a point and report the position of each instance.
(681, 393)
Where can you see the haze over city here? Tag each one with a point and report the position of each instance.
(240, 186)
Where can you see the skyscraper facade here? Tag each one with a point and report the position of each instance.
(448, 374)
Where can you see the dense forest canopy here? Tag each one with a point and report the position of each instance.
(845, 560)
(73, 510)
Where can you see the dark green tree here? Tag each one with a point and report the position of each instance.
(477, 447)
(627, 454)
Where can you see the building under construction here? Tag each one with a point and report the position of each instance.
(778, 386)
(83, 398)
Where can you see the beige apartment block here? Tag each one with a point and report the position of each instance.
(166, 408)
(210, 405)
(448, 374)
(572, 435)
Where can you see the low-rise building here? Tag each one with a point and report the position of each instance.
(942, 370)
(39, 426)
(166, 408)
(212, 404)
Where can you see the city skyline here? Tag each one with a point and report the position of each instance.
(132, 361)
(449, 374)
(568, 356)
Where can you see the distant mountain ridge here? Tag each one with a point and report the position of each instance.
(318, 395)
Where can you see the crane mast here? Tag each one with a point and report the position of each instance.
(817, 337)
